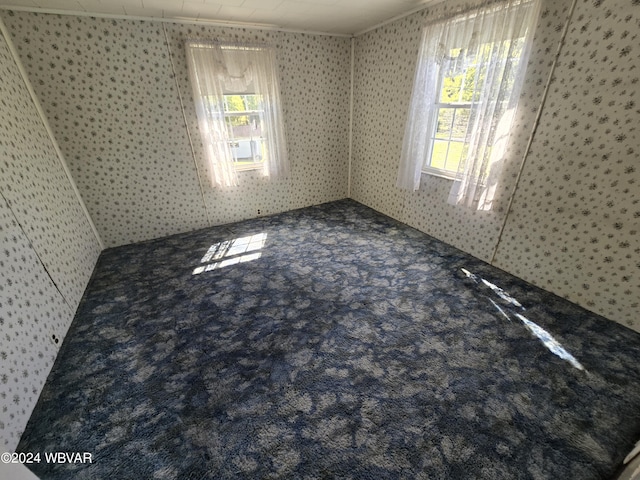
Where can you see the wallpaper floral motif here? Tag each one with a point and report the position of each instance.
(574, 227)
(574, 222)
(314, 73)
(109, 95)
(31, 311)
(385, 63)
(36, 186)
(109, 91)
(47, 255)
(114, 103)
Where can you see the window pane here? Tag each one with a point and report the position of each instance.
(456, 150)
(478, 79)
(451, 89)
(253, 102)
(234, 103)
(439, 154)
(460, 123)
(243, 118)
(449, 141)
(445, 121)
(240, 126)
(246, 150)
(469, 91)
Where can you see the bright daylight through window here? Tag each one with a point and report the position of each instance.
(232, 252)
(237, 100)
(468, 79)
(459, 92)
(243, 116)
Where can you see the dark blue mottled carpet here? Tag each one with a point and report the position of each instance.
(331, 342)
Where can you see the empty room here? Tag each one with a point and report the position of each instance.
(370, 239)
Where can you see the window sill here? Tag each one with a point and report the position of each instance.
(438, 172)
(248, 167)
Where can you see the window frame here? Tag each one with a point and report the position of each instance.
(432, 136)
(427, 168)
(217, 68)
(231, 139)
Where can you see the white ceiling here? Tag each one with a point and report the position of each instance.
(330, 16)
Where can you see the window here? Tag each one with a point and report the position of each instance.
(451, 123)
(244, 117)
(468, 79)
(237, 100)
(459, 93)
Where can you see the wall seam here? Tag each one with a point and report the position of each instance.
(35, 252)
(351, 90)
(186, 126)
(45, 121)
(534, 129)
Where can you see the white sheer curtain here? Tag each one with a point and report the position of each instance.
(491, 45)
(218, 68)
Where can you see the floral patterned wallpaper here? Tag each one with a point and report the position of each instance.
(108, 89)
(47, 252)
(385, 63)
(573, 226)
(315, 96)
(110, 94)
